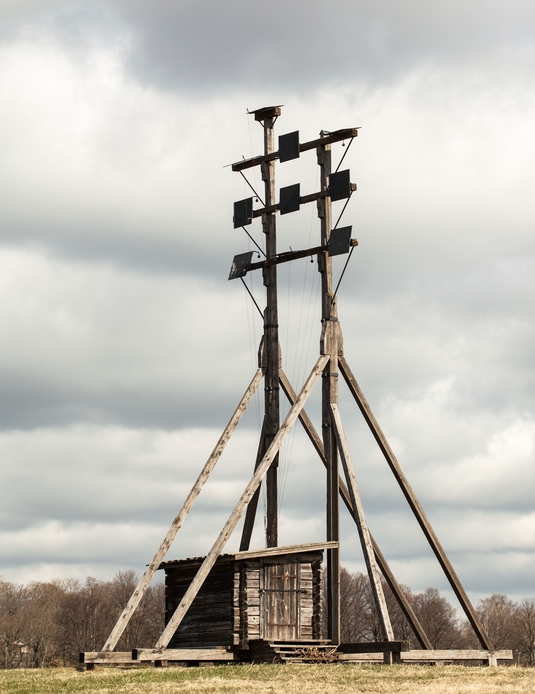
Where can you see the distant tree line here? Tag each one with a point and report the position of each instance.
(509, 625)
(48, 624)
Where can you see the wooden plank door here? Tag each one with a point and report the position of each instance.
(281, 601)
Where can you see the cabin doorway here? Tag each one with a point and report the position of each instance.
(280, 598)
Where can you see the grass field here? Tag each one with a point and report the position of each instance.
(273, 679)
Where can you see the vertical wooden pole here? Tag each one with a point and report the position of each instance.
(271, 328)
(330, 345)
(362, 527)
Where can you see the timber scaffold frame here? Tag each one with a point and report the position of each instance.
(331, 447)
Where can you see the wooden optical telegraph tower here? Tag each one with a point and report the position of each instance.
(264, 604)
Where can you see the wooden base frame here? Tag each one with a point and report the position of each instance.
(349, 494)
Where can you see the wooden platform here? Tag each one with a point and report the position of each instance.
(426, 657)
(312, 651)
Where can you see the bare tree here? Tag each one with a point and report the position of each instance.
(525, 630)
(354, 607)
(148, 621)
(84, 618)
(12, 604)
(437, 618)
(40, 631)
(497, 614)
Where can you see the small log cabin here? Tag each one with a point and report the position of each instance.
(272, 594)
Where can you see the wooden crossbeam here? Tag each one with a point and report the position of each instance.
(236, 514)
(414, 505)
(311, 197)
(142, 586)
(331, 138)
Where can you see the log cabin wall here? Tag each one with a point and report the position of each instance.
(244, 598)
(210, 619)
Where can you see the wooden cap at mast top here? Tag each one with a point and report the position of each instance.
(266, 112)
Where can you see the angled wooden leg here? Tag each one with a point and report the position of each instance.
(142, 586)
(250, 514)
(415, 505)
(310, 431)
(236, 514)
(362, 526)
(400, 596)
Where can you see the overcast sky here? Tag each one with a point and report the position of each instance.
(124, 350)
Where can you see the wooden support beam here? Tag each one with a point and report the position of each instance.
(331, 344)
(105, 657)
(311, 197)
(288, 549)
(286, 257)
(415, 505)
(303, 417)
(271, 329)
(362, 526)
(389, 577)
(250, 513)
(236, 514)
(432, 656)
(182, 654)
(142, 586)
(404, 604)
(329, 139)
(374, 647)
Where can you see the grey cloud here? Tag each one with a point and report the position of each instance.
(297, 45)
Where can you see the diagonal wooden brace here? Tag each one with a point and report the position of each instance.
(362, 526)
(415, 505)
(142, 586)
(387, 572)
(237, 513)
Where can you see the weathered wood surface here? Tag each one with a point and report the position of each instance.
(210, 620)
(360, 657)
(182, 654)
(142, 586)
(401, 598)
(344, 493)
(252, 554)
(105, 657)
(362, 526)
(271, 333)
(337, 136)
(330, 344)
(374, 647)
(414, 505)
(250, 513)
(303, 417)
(426, 656)
(236, 514)
(288, 549)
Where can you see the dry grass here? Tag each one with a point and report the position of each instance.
(274, 679)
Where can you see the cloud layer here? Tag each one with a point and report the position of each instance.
(124, 350)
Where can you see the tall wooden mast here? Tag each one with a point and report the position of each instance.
(271, 322)
(332, 445)
(330, 344)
